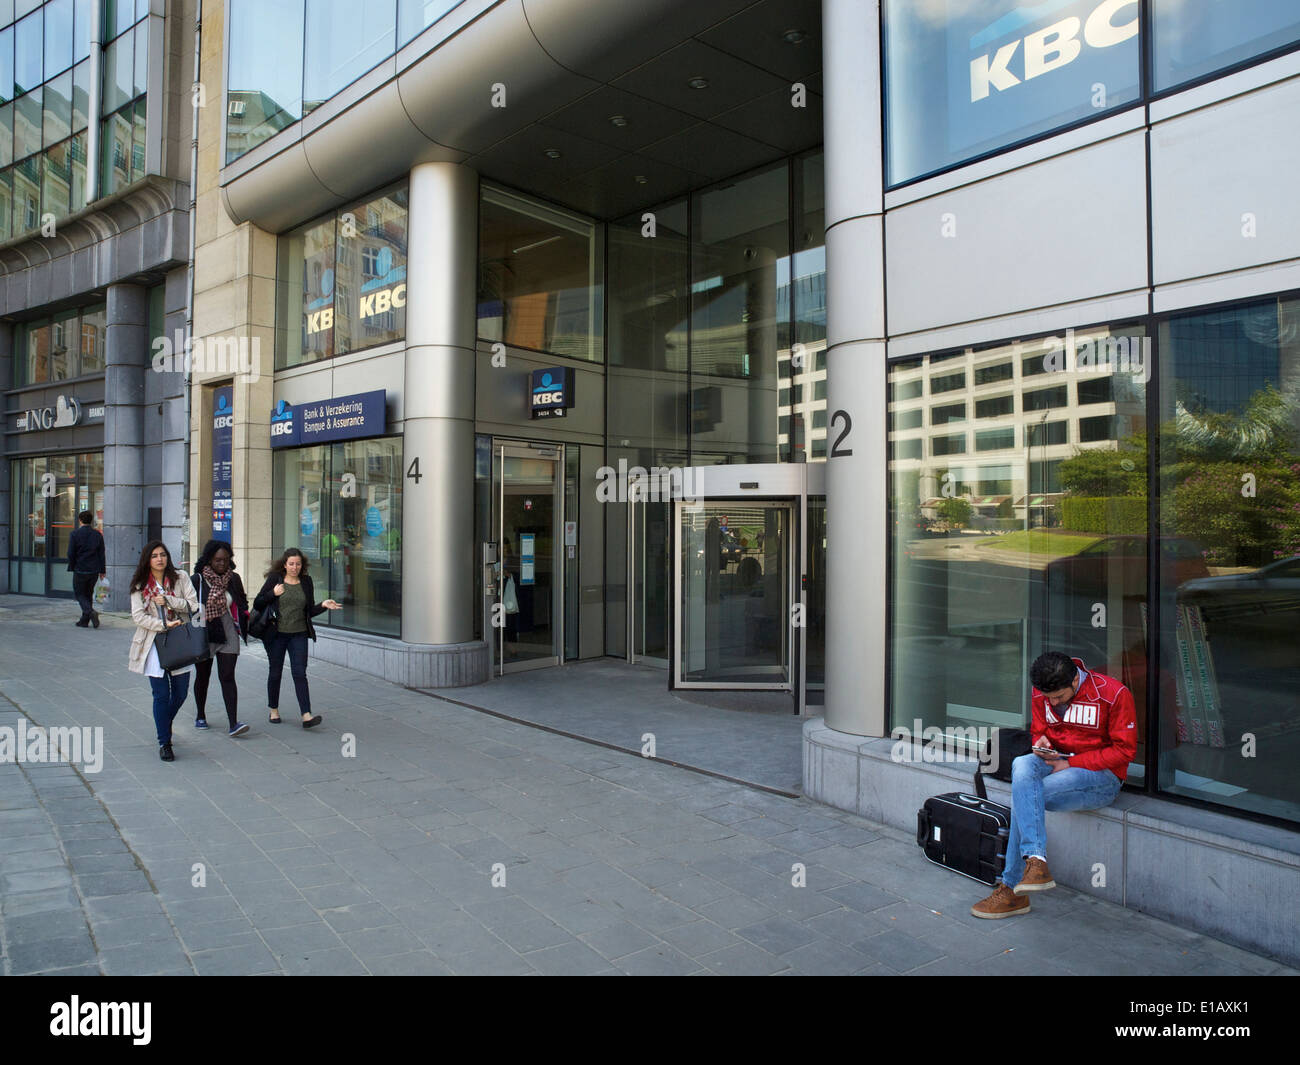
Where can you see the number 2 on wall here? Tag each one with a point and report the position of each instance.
(838, 452)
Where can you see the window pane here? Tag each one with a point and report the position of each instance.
(1192, 40)
(6, 134)
(28, 53)
(540, 276)
(28, 123)
(29, 530)
(1230, 607)
(971, 76)
(27, 195)
(118, 75)
(6, 203)
(81, 30)
(1023, 507)
(58, 108)
(116, 148)
(298, 504)
(808, 290)
(7, 63)
(370, 305)
(56, 181)
(415, 16)
(343, 41)
(58, 37)
(138, 132)
(63, 346)
(94, 320)
(361, 552)
(740, 261)
(953, 412)
(119, 15)
(1002, 371)
(81, 96)
(648, 311)
(37, 361)
(264, 72)
(140, 75)
(947, 383)
(305, 279)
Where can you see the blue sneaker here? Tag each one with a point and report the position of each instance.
(201, 723)
(239, 729)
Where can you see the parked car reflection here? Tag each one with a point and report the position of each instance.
(1273, 589)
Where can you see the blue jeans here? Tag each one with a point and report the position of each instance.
(1036, 789)
(295, 643)
(169, 692)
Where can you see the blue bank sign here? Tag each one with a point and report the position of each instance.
(550, 392)
(327, 420)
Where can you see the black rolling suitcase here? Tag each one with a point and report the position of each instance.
(968, 833)
(965, 833)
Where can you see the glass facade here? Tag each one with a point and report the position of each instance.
(970, 77)
(352, 540)
(122, 105)
(1230, 482)
(541, 277)
(1014, 545)
(1039, 538)
(61, 346)
(1190, 41)
(44, 105)
(47, 494)
(285, 60)
(341, 281)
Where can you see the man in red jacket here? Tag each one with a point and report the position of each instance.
(1084, 735)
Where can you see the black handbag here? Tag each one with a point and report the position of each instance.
(262, 624)
(181, 646)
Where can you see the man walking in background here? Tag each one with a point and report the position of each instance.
(87, 564)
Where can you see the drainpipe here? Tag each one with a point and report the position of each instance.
(95, 102)
(189, 279)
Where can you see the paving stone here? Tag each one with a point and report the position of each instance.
(338, 962)
(620, 939)
(412, 963)
(743, 959)
(143, 959)
(248, 957)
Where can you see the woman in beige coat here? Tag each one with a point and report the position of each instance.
(156, 583)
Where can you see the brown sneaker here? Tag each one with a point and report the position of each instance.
(1002, 903)
(1036, 877)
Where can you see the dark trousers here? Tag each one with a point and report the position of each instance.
(229, 691)
(83, 587)
(169, 692)
(295, 643)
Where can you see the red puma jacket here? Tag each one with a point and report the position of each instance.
(1098, 730)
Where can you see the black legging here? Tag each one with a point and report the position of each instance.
(229, 691)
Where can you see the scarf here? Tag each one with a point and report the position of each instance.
(152, 587)
(216, 600)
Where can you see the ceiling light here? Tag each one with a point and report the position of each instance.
(553, 153)
(640, 179)
(794, 36)
(617, 120)
(698, 82)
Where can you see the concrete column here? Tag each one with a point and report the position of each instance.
(126, 359)
(856, 484)
(438, 406)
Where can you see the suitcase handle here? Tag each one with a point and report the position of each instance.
(970, 800)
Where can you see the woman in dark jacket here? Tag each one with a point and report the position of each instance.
(290, 589)
(225, 607)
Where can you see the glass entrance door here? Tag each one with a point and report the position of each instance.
(735, 581)
(530, 576)
(649, 580)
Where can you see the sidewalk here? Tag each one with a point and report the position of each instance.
(278, 853)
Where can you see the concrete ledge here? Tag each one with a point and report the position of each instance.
(413, 665)
(1227, 877)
